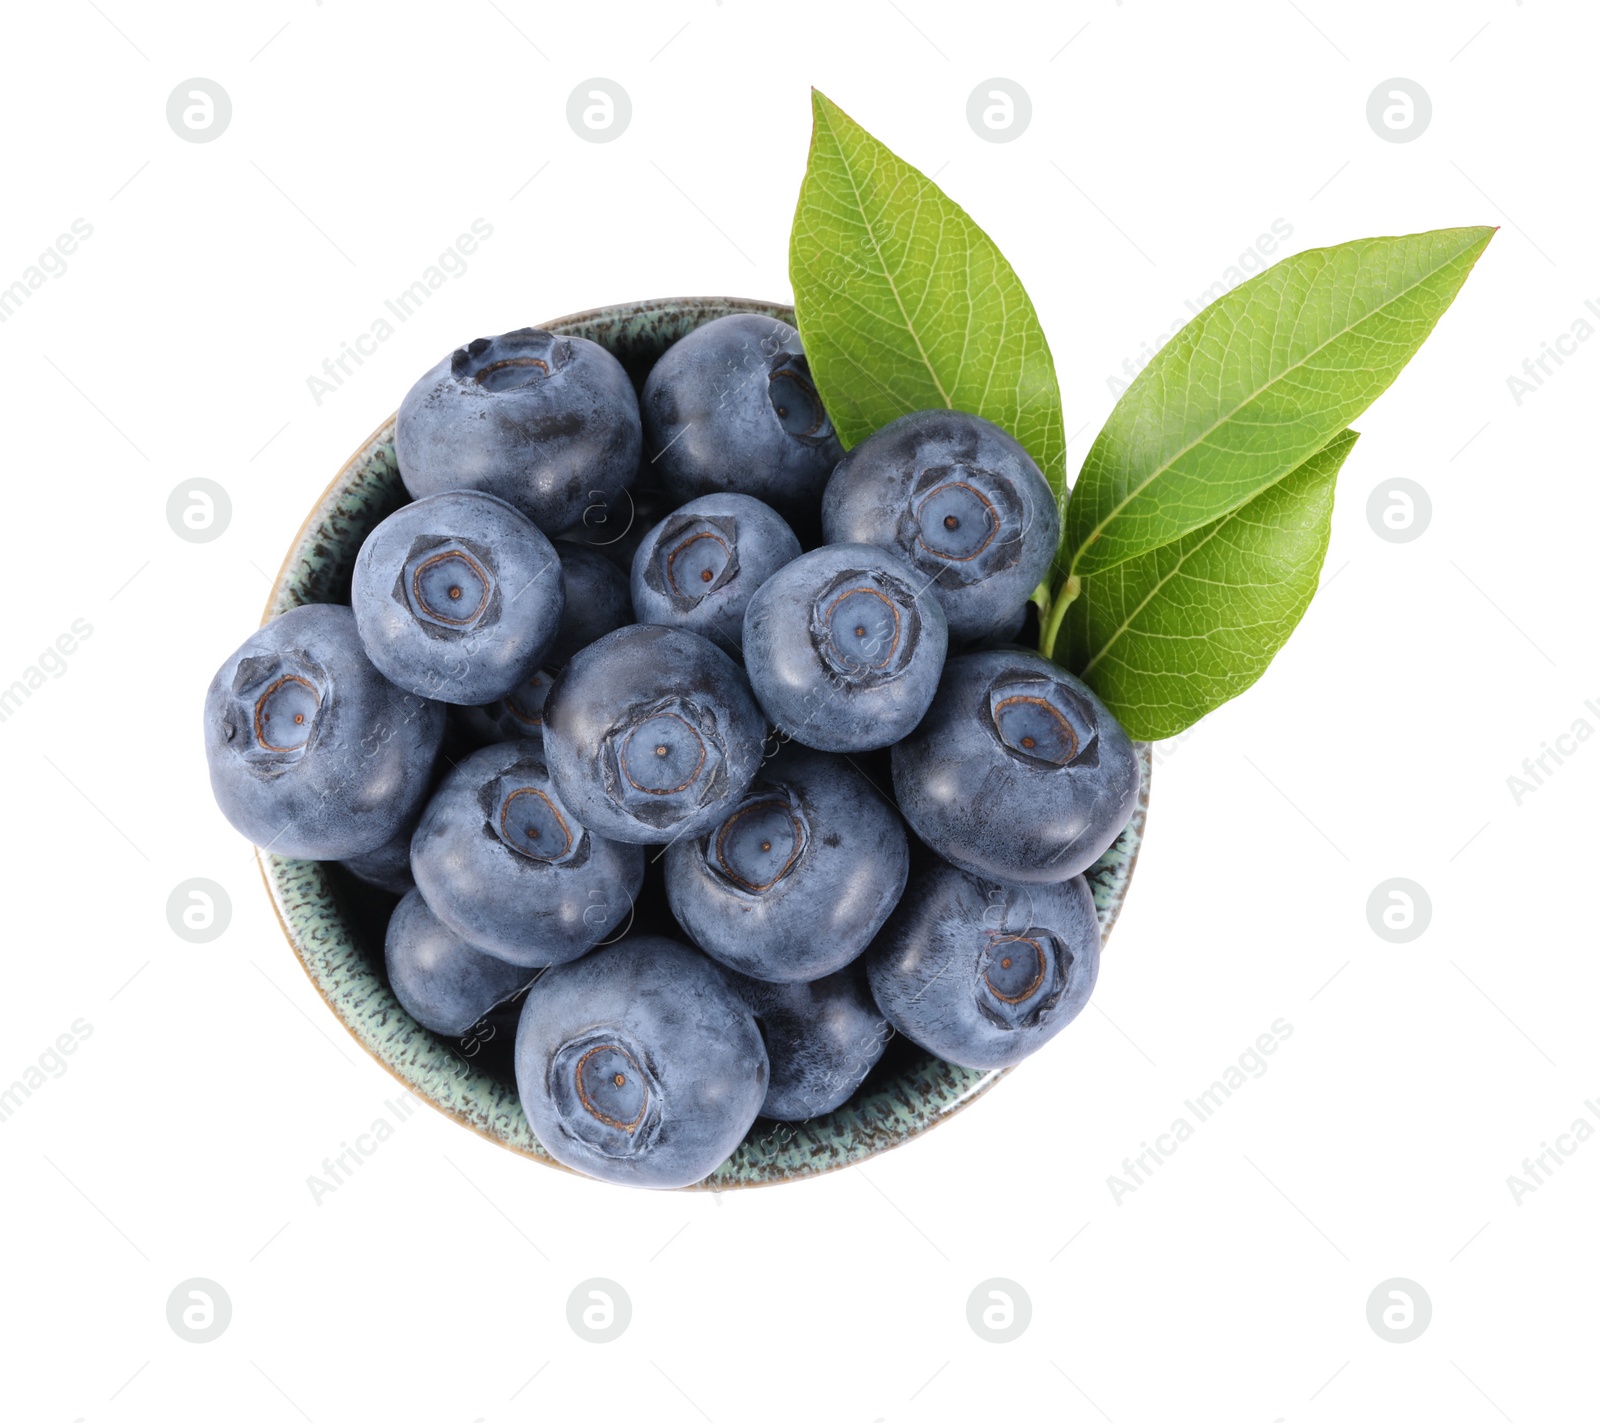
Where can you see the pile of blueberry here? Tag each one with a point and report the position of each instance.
(725, 816)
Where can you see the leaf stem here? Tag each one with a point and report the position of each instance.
(1050, 629)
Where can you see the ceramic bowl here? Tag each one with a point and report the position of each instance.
(335, 924)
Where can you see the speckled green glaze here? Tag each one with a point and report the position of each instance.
(336, 927)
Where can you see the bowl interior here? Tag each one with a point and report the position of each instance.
(335, 923)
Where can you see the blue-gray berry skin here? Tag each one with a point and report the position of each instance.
(548, 423)
(822, 1038)
(651, 733)
(595, 593)
(314, 753)
(389, 866)
(961, 501)
(595, 597)
(844, 647)
(732, 406)
(505, 864)
(1017, 771)
(439, 978)
(981, 972)
(639, 1064)
(700, 566)
(457, 597)
(794, 881)
(517, 716)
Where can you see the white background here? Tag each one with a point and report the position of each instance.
(1165, 138)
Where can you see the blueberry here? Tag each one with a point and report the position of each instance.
(505, 864)
(651, 733)
(517, 716)
(639, 1064)
(313, 753)
(439, 978)
(960, 500)
(1018, 770)
(822, 1038)
(844, 647)
(981, 972)
(548, 423)
(457, 597)
(795, 880)
(389, 866)
(700, 566)
(732, 406)
(595, 601)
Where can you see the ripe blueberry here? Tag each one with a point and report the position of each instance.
(1017, 771)
(732, 407)
(313, 753)
(958, 499)
(844, 647)
(651, 733)
(794, 881)
(981, 972)
(639, 1064)
(548, 423)
(822, 1038)
(457, 597)
(700, 566)
(439, 978)
(505, 864)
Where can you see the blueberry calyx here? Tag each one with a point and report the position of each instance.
(510, 362)
(761, 842)
(663, 760)
(796, 403)
(286, 713)
(527, 819)
(1021, 975)
(605, 1093)
(962, 524)
(449, 586)
(532, 825)
(864, 626)
(696, 557)
(1042, 723)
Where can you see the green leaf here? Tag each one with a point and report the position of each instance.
(904, 303)
(1258, 382)
(1168, 635)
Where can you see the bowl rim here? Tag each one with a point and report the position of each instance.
(384, 434)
